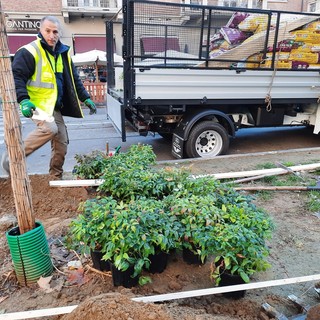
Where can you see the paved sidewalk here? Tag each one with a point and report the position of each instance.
(85, 135)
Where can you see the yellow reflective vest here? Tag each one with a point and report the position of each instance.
(42, 87)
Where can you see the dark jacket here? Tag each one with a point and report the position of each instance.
(23, 67)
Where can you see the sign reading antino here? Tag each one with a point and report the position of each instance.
(22, 25)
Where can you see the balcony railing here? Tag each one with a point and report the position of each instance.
(90, 8)
(92, 4)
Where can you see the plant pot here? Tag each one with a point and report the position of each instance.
(123, 278)
(98, 262)
(190, 257)
(228, 279)
(158, 262)
(30, 254)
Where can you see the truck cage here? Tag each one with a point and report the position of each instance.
(170, 35)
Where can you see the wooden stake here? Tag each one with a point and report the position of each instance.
(12, 134)
(277, 188)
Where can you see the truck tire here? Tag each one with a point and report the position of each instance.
(207, 139)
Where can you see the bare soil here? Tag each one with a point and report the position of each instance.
(295, 252)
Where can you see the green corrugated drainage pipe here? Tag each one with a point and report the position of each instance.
(30, 254)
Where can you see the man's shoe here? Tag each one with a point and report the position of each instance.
(5, 163)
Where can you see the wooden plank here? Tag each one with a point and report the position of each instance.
(276, 188)
(226, 175)
(37, 313)
(76, 183)
(166, 297)
(244, 50)
(217, 290)
(250, 173)
(261, 176)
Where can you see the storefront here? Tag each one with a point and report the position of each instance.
(84, 43)
(20, 32)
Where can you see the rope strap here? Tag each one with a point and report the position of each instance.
(268, 102)
(268, 98)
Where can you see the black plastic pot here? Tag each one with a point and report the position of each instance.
(228, 279)
(98, 263)
(123, 278)
(158, 262)
(190, 257)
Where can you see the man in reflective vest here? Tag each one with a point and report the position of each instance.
(48, 87)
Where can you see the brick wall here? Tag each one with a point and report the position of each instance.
(29, 7)
(290, 5)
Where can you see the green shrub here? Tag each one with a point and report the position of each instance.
(145, 209)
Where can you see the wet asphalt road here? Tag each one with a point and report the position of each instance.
(93, 132)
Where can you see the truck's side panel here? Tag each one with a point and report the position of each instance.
(175, 84)
(116, 114)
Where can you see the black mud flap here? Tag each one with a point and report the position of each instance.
(177, 146)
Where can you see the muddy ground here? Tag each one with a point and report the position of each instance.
(295, 252)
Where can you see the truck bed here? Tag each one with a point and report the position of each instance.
(226, 85)
(188, 52)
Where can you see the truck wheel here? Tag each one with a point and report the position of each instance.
(207, 139)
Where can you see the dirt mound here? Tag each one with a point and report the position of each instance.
(112, 306)
(46, 201)
(120, 306)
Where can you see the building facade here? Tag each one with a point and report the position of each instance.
(313, 5)
(83, 21)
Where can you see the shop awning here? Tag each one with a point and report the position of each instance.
(17, 41)
(87, 43)
(156, 44)
(93, 57)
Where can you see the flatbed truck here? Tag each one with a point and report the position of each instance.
(175, 79)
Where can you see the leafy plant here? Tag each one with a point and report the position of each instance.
(88, 230)
(240, 251)
(136, 231)
(223, 193)
(90, 166)
(97, 164)
(197, 216)
(138, 180)
(240, 242)
(127, 233)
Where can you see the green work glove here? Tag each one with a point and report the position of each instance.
(27, 108)
(90, 104)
